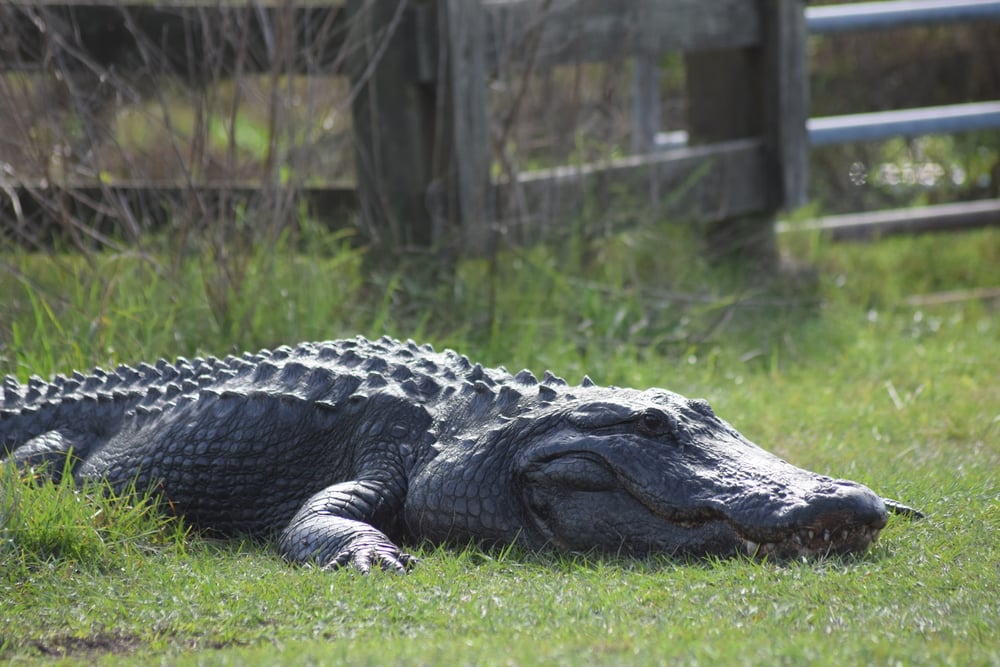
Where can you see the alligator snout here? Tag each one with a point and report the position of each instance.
(837, 517)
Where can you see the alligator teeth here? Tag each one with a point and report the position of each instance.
(803, 542)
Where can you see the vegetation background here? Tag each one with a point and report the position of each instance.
(877, 362)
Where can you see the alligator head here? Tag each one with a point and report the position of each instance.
(641, 472)
(653, 471)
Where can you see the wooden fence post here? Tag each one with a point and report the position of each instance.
(422, 150)
(786, 98)
(393, 121)
(757, 92)
(463, 137)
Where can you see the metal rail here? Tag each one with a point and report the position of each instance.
(835, 19)
(832, 19)
(876, 224)
(880, 125)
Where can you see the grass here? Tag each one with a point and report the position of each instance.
(851, 376)
(60, 522)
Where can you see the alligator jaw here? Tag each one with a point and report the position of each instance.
(814, 541)
(840, 518)
(829, 534)
(808, 542)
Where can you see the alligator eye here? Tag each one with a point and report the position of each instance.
(702, 406)
(654, 423)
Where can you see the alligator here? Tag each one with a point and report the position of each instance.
(342, 451)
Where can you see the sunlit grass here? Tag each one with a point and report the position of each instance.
(850, 375)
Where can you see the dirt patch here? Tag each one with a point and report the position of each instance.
(102, 644)
(78, 647)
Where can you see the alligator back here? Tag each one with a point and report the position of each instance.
(95, 404)
(237, 444)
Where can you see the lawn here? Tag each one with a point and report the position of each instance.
(884, 369)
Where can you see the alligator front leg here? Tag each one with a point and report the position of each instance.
(334, 528)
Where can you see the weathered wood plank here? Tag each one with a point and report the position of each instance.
(723, 95)
(572, 31)
(182, 38)
(112, 32)
(702, 184)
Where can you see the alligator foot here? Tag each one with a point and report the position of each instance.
(334, 543)
(333, 529)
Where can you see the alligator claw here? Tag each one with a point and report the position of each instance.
(386, 556)
(902, 510)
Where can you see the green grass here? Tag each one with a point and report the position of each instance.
(848, 376)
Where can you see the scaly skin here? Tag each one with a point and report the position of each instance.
(344, 450)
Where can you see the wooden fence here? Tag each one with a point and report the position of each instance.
(420, 75)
